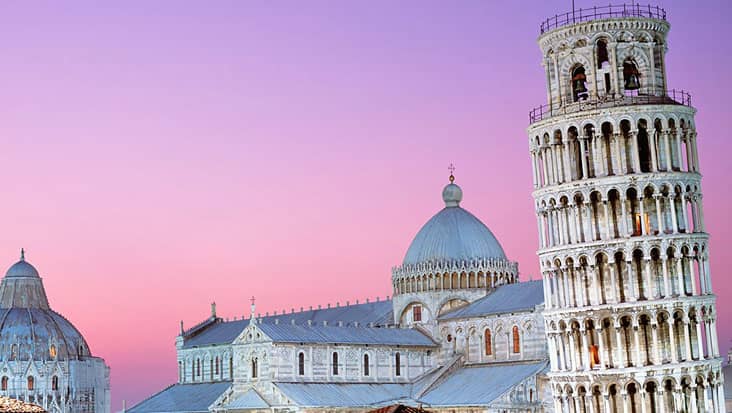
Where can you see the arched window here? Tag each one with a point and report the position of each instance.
(398, 364)
(231, 367)
(488, 343)
(335, 363)
(52, 351)
(216, 366)
(4, 383)
(254, 368)
(54, 383)
(193, 370)
(31, 382)
(210, 369)
(198, 368)
(516, 340)
(365, 364)
(301, 364)
(602, 55)
(180, 371)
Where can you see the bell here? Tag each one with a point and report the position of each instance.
(631, 82)
(579, 86)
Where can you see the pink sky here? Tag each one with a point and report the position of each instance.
(157, 156)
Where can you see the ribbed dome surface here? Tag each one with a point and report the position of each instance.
(453, 234)
(33, 331)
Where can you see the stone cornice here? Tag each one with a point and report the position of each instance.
(477, 265)
(555, 37)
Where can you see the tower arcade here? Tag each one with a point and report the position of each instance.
(624, 254)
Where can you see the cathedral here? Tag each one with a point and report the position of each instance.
(44, 360)
(623, 318)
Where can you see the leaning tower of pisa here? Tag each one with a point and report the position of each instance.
(630, 315)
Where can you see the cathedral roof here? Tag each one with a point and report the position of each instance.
(290, 333)
(249, 400)
(453, 234)
(345, 394)
(466, 386)
(480, 385)
(179, 398)
(224, 332)
(509, 298)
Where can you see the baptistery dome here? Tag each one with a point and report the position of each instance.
(48, 360)
(29, 329)
(453, 234)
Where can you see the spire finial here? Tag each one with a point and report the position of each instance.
(451, 168)
(22, 254)
(252, 307)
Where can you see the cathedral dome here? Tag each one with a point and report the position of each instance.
(453, 234)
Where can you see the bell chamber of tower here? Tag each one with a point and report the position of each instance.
(624, 253)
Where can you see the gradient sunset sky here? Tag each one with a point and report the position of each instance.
(157, 156)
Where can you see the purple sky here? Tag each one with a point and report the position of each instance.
(157, 156)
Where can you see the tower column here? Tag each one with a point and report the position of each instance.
(667, 148)
(699, 339)
(585, 166)
(657, 359)
(566, 159)
(692, 276)
(585, 347)
(607, 221)
(634, 150)
(644, 232)
(601, 346)
(654, 153)
(689, 160)
(672, 340)
(674, 222)
(666, 279)
(659, 214)
(577, 223)
(679, 276)
(651, 294)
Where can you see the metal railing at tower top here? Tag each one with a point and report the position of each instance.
(603, 12)
(642, 97)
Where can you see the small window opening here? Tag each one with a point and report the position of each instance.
(417, 313)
